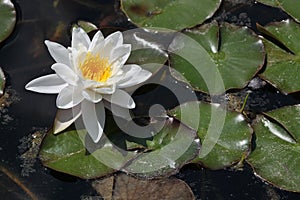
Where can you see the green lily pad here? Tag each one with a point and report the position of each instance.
(2, 82)
(87, 26)
(229, 130)
(215, 58)
(7, 18)
(147, 48)
(66, 153)
(289, 6)
(283, 67)
(73, 153)
(169, 150)
(276, 154)
(175, 15)
(288, 117)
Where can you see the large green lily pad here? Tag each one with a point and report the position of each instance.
(283, 67)
(215, 58)
(163, 154)
(147, 48)
(7, 18)
(292, 7)
(229, 130)
(175, 15)
(276, 157)
(66, 153)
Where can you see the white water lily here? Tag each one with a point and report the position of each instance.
(87, 73)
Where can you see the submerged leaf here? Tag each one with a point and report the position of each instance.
(7, 18)
(228, 133)
(275, 157)
(283, 68)
(213, 58)
(175, 15)
(127, 187)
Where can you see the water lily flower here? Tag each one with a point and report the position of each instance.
(86, 74)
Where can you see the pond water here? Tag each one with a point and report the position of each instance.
(24, 57)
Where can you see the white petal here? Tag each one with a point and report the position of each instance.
(93, 116)
(69, 97)
(49, 84)
(120, 54)
(118, 110)
(92, 96)
(58, 52)
(98, 37)
(80, 37)
(120, 98)
(106, 90)
(133, 76)
(66, 73)
(65, 117)
(112, 41)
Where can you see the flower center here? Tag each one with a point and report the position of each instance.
(95, 68)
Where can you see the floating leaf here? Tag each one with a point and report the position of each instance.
(288, 6)
(283, 67)
(2, 82)
(73, 153)
(276, 156)
(66, 153)
(175, 15)
(7, 18)
(170, 149)
(233, 140)
(288, 117)
(215, 57)
(126, 187)
(147, 48)
(87, 26)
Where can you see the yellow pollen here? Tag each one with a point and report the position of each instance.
(95, 68)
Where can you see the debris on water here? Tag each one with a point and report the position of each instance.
(29, 149)
(256, 83)
(9, 97)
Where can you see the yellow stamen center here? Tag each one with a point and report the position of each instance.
(95, 68)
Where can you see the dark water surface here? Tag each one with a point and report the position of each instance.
(24, 57)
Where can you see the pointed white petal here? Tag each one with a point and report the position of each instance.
(112, 41)
(65, 117)
(134, 75)
(118, 110)
(93, 116)
(49, 84)
(98, 37)
(120, 98)
(66, 73)
(120, 54)
(80, 37)
(92, 96)
(69, 97)
(106, 89)
(58, 52)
